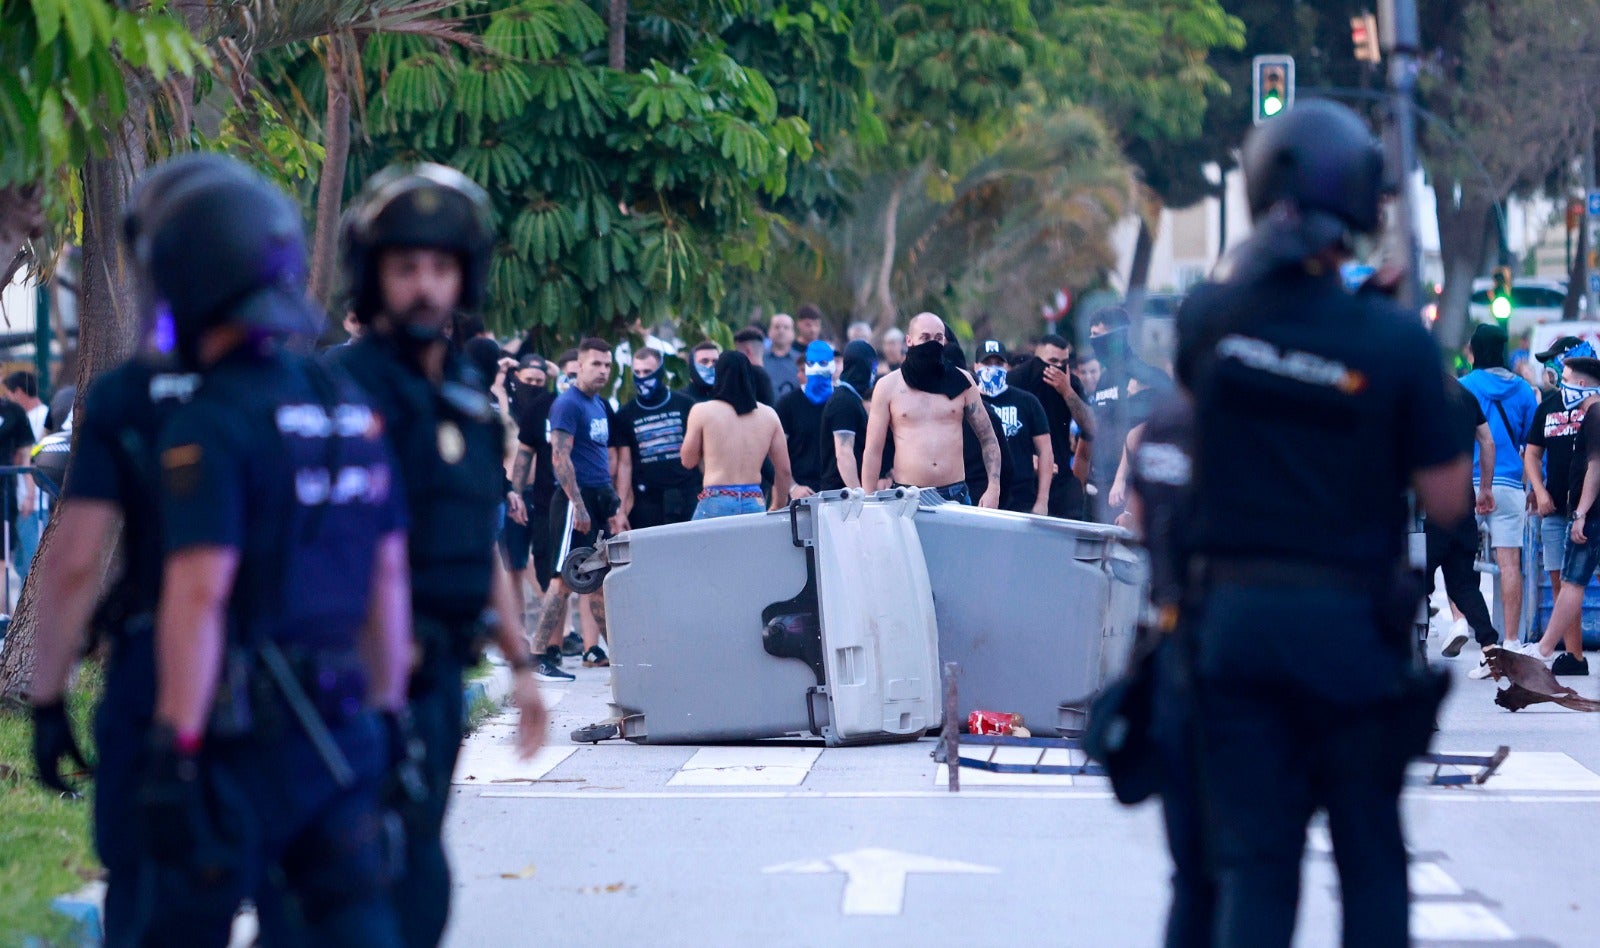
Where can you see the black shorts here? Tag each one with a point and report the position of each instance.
(602, 504)
(657, 508)
(520, 542)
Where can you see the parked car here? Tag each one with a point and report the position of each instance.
(1534, 302)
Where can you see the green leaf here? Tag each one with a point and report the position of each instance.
(47, 18)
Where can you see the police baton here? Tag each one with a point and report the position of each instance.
(310, 720)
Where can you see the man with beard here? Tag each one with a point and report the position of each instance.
(703, 372)
(416, 251)
(733, 434)
(655, 487)
(800, 413)
(842, 435)
(924, 404)
(1045, 377)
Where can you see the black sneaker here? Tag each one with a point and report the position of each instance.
(1565, 664)
(596, 658)
(551, 671)
(572, 645)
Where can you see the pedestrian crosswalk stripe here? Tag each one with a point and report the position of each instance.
(1457, 921)
(746, 767)
(1430, 879)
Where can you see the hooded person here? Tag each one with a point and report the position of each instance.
(800, 413)
(1509, 403)
(842, 431)
(730, 438)
(702, 372)
(648, 434)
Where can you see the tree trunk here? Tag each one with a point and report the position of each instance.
(617, 23)
(1463, 242)
(884, 293)
(107, 329)
(336, 154)
(1139, 268)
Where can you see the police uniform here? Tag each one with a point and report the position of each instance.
(448, 441)
(1315, 407)
(115, 463)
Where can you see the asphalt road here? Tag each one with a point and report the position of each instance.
(618, 844)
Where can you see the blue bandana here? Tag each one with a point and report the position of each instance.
(1559, 363)
(819, 372)
(1572, 395)
(707, 373)
(992, 379)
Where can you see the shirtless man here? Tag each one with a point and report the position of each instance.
(732, 434)
(923, 403)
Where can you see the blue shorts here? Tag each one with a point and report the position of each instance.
(1553, 540)
(1579, 564)
(729, 500)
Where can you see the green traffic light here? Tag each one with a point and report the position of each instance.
(1501, 308)
(1271, 105)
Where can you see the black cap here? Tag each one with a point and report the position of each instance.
(993, 349)
(533, 361)
(1558, 348)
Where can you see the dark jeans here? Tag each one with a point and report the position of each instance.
(1190, 917)
(1285, 729)
(1066, 496)
(422, 895)
(1454, 550)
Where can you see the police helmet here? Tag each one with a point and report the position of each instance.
(1321, 158)
(429, 206)
(220, 246)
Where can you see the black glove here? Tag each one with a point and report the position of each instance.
(406, 784)
(52, 740)
(172, 800)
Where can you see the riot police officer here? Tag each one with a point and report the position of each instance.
(114, 477)
(417, 245)
(1316, 409)
(281, 626)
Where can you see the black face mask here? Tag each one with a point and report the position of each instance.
(650, 387)
(926, 371)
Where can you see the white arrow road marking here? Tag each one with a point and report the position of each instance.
(875, 881)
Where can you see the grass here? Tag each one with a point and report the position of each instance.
(45, 847)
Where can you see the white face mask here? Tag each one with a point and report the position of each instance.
(992, 379)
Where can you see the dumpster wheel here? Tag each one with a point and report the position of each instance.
(595, 733)
(584, 571)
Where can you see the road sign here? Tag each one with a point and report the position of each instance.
(1594, 203)
(875, 881)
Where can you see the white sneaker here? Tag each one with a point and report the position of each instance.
(1531, 649)
(1481, 672)
(1455, 637)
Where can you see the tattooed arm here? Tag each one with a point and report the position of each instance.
(978, 421)
(844, 457)
(522, 468)
(561, 466)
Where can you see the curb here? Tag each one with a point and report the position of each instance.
(494, 687)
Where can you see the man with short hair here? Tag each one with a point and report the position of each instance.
(585, 501)
(1509, 404)
(800, 414)
(1045, 377)
(1580, 392)
(731, 436)
(923, 404)
(781, 362)
(842, 434)
(807, 325)
(1087, 370)
(22, 387)
(858, 330)
(894, 350)
(752, 343)
(654, 486)
(703, 371)
(1026, 431)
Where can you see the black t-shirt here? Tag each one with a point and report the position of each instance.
(1554, 429)
(114, 460)
(1585, 447)
(533, 430)
(843, 411)
(1314, 407)
(1022, 419)
(977, 476)
(655, 436)
(802, 427)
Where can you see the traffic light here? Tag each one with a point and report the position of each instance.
(1364, 36)
(1273, 84)
(1500, 295)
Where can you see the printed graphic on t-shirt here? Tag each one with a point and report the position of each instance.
(660, 437)
(1563, 424)
(1010, 419)
(599, 430)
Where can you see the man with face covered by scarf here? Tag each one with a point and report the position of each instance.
(843, 427)
(924, 404)
(800, 413)
(648, 432)
(728, 438)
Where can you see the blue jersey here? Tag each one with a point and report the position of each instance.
(586, 419)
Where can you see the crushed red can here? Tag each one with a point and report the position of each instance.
(992, 722)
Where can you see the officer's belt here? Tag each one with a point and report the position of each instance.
(1299, 574)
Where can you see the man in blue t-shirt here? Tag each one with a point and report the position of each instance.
(580, 438)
